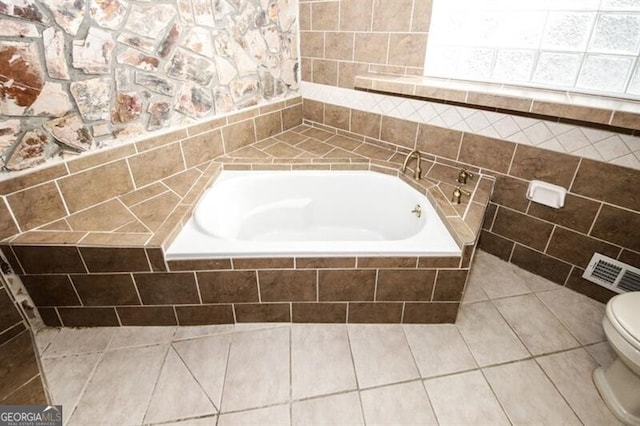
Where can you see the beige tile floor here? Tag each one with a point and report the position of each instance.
(522, 352)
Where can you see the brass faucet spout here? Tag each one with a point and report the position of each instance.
(417, 174)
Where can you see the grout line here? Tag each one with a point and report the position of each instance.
(155, 385)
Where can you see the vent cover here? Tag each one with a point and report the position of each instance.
(612, 274)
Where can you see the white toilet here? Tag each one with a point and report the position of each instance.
(619, 382)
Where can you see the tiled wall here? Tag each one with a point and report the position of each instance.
(20, 380)
(342, 38)
(78, 75)
(43, 198)
(98, 287)
(602, 212)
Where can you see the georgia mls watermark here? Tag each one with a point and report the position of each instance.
(30, 415)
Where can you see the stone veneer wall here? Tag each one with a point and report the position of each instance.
(41, 199)
(77, 75)
(601, 213)
(20, 379)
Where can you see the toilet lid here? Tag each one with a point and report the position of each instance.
(626, 311)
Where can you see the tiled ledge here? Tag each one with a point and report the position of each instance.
(152, 216)
(596, 111)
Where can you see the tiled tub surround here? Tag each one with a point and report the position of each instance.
(80, 75)
(601, 214)
(82, 275)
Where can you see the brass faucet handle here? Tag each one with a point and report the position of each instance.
(457, 194)
(463, 175)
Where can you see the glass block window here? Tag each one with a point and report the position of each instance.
(588, 46)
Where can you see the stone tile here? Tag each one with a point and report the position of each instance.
(473, 292)
(192, 332)
(571, 372)
(31, 393)
(206, 359)
(127, 337)
(449, 285)
(88, 188)
(511, 382)
(581, 315)
(606, 182)
(258, 370)
(405, 285)
(319, 312)
(66, 378)
(403, 404)
(44, 337)
(336, 409)
(352, 17)
(521, 228)
(277, 415)
(121, 386)
(204, 314)
(324, 16)
(596, 292)
(105, 290)
(438, 349)
(228, 286)
(535, 282)
(285, 286)
(373, 313)
(238, 135)
(325, 72)
(381, 355)
(99, 259)
(488, 153)
(146, 315)
(51, 290)
(36, 206)
(488, 336)
(168, 288)
(578, 213)
(495, 277)
(464, 399)
(602, 353)
(531, 163)
(79, 341)
(399, 132)
(319, 372)
(166, 161)
(176, 383)
(576, 248)
(339, 45)
(547, 267)
(607, 227)
(430, 312)
(19, 363)
(408, 49)
(263, 312)
(346, 285)
(537, 327)
(392, 15)
(107, 216)
(371, 47)
(89, 317)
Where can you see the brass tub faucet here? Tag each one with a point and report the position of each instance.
(417, 174)
(464, 175)
(457, 194)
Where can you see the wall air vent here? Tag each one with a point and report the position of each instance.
(612, 274)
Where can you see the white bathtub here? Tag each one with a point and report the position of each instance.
(311, 213)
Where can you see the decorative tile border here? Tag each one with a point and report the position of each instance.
(600, 145)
